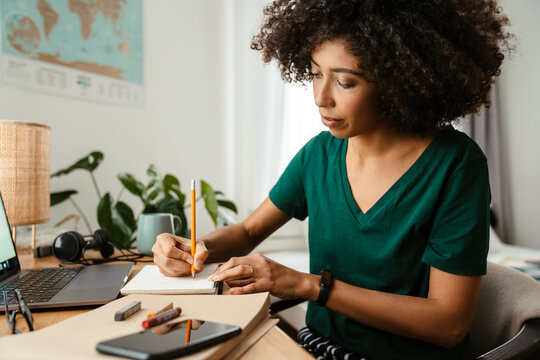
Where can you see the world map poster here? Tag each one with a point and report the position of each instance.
(90, 49)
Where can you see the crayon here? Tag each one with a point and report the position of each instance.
(161, 318)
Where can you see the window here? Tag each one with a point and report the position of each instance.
(301, 121)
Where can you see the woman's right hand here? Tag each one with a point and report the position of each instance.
(172, 255)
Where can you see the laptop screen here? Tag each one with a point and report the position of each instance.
(8, 256)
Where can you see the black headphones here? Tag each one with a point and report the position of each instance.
(70, 246)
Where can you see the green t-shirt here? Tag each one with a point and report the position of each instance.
(436, 214)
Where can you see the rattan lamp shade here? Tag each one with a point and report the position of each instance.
(24, 171)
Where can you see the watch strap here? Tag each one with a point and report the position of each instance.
(325, 284)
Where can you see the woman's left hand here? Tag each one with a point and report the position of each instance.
(257, 273)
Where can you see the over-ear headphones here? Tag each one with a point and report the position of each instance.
(70, 246)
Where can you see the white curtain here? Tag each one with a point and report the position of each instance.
(301, 121)
(485, 129)
(266, 121)
(254, 109)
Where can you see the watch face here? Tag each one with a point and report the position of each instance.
(326, 278)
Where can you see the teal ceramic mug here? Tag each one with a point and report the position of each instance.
(151, 225)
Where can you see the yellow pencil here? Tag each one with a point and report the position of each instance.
(193, 226)
(164, 308)
(188, 331)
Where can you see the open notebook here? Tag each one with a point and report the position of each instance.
(150, 281)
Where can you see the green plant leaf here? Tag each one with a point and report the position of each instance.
(89, 163)
(133, 185)
(152, 171)
(151, 184)
(210, 201)
(59, 197)
(110, 219)
(154, 194)
(228, 205)
(119, 232)
(127, 215)
(171, 184)
(104, 211)
(168, 205)
(150, 208)
(218, 192)
(155, 186)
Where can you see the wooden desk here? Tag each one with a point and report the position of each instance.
(274, 345)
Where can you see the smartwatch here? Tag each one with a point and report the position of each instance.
(325, 286)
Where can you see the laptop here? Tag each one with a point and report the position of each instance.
(55, 287)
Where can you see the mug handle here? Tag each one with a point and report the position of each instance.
(177, 218)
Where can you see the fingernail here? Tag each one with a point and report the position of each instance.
(198, 265)
(189, 261)
(211, 278)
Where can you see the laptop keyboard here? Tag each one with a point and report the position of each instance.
(39, 285)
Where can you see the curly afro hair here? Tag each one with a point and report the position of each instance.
(432, 61)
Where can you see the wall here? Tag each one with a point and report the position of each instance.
(206, 93)
(180, 128)
(203, 99)
(519, 98)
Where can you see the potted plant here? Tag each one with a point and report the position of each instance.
(159, 194)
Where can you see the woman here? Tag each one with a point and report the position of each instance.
(398, 200)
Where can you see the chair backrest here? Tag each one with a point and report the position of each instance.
(507, 299)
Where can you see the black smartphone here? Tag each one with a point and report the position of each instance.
(170, 340)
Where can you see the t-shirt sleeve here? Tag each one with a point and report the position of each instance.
(288, 193)
(459, 239)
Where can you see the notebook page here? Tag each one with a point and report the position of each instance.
(150, 281)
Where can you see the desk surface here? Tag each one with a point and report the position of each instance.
(274, 345)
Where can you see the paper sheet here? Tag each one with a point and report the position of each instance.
(255, 335)
(76, 337)
(150, 281)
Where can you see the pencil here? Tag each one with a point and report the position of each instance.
(164, 308)
(188, 331)
(193, 227)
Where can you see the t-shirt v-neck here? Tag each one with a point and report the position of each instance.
(358, 214)
(435, 215)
